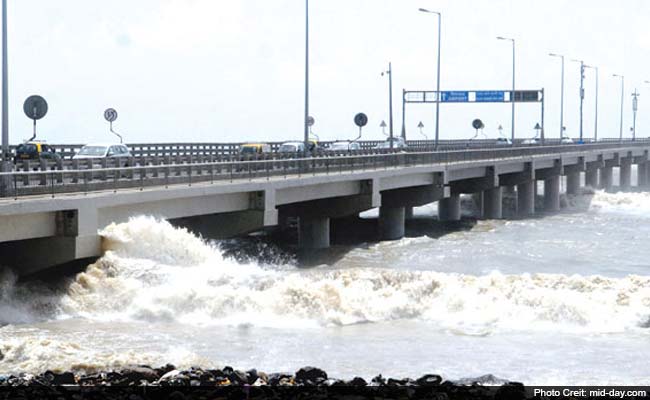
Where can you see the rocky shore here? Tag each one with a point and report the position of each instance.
(143, 382)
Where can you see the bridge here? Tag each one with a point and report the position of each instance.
(51, 216)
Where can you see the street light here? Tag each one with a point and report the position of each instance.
(6, 157)
(438, 76)
(561, 95)
(390, 101)
(582, 92)
(635, 107)
(596, 117)
(306, 138)
(622, 102)
(512, 96)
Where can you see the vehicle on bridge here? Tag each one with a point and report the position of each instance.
(566, 140)
(398, 143)
(299, 147)
(530, 142)
(102, 150)
(503, 142)
(252, 149)
(35, 150)
(344, 146)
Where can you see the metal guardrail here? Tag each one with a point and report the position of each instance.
(88, 178)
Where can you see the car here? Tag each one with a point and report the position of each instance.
(102, 150)
(299, 147)
(503, 142)
(398, 143)
(344, 146)
(530, 142)
(566, 140)
(251, 149)
(35, 150)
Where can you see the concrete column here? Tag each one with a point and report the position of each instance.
(493, 203)
(391, 223)
(408, 212)
(591, 178)
(5, 181)
(606, 181)
(526, 199)
(573, 183)
(625, 174)
(449, 209)
(642, 175)
(552, 194)
(314, 232)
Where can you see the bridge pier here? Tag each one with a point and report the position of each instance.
(408, 212)
(606, 178)
(449, 208)
(493, 203)
(625, 172)
(591, 177)
(314, 232)
(573, 183)
(642, 175)
(526, 199)
(552, 194)
(391, 222)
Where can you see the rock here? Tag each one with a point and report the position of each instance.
(378, 381)
(429, 380)
(357, 381)
(2, 356)
(170, 375)
(66, 378)
(310, 375)
(195, 383)
(138, 374)
(251, 376)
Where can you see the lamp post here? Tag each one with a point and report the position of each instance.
(512, 96)
(6, 157)
(306, 138)
(596, 113)
(435, 146)
(582, 92)
(390, 102)
(635, 107)
(561, 95)
(622, 102)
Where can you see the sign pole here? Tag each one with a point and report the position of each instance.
(5, 87)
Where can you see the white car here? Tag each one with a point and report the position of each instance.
(503, 142)
(102, 150)
(398, 143)
(566, 140)
(530, 142)
(344, 146)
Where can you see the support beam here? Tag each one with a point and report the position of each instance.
(552, 194)
(573, 183)
(606, 178)
(391, 223)
(449, 209)
(408, 212)
(526, 199)
(591, 178)
(625, 172)
(642, 175)
(314, 232)
(493, 203)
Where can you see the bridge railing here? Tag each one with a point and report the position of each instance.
(88, 176)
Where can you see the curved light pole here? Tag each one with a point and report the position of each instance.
(390, 101)
(561, 95)
(596, 112)
(306, 138)
(435, 146)
(6, 157)
(582, 92)
(622, 102)
(512, 96)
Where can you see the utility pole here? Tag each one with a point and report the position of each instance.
(306, 138)
(582, 94)
(635, 107)
(6, 157)
(390, 102)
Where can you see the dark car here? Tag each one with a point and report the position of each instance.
(35, 151)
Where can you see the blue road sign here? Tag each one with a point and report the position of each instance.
(454, 97)
(487, 96)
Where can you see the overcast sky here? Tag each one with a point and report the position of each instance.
(217, 70)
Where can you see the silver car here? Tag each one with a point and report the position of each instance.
(102, 150)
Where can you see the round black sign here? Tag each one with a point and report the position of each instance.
(35, 107)
(478, 124)
(311, 121)
(361, 120)
(110, 114)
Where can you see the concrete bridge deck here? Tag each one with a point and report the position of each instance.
(41, 228)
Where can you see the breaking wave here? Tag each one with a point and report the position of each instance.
(155, 272)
